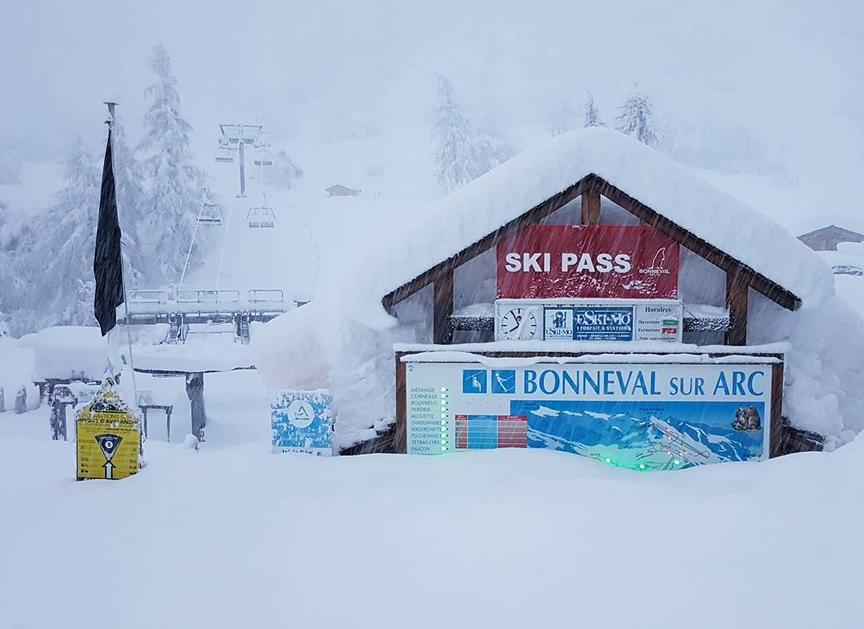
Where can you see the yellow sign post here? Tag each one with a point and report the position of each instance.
(108, 445)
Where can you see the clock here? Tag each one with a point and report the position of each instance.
(519, 323)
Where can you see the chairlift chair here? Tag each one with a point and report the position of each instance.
(224, 154)
(263, 156)
(261, 217)
(211, 214)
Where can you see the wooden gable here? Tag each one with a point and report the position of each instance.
(739, 276)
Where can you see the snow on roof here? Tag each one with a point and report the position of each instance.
(430, 233)
(343, 340)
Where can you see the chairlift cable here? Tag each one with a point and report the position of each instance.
(192, 241)
(225, 235)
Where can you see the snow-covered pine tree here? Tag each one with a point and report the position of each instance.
(6, 276)
(636, 118)
(60, 263)
(592, 113)
(283, 172)
(8, 167)
(16, 288)
(129, 182)
(173, 194)
(464, 152)
(563, 118)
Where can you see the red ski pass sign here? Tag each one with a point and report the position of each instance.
(588, 261)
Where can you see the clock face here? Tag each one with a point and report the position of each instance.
(519, 324)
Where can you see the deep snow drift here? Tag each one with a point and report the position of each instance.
(233, 536)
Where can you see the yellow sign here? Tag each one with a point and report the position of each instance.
(108, 444)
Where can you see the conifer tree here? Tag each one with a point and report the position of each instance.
(563, 118)
(283, 172)
(60, 263)
(130, 186)
(463, 150)
(636, 118)
(173, 194)
(592, 113)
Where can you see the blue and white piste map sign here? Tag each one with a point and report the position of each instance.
(643, 416)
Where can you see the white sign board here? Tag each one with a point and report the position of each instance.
(579, 320)
(644, 415)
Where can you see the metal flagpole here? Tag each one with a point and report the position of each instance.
(111, 107)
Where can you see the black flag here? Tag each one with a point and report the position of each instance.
(107, 261)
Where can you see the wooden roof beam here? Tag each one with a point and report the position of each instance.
(531, 217)
(688, 239)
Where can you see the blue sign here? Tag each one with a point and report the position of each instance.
(603, 323)
(473, 381)
(302, 421)
(503, 381)
(645, 416)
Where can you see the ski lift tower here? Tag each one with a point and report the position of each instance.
(234, 139)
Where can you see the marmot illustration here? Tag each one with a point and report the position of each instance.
(747, 418)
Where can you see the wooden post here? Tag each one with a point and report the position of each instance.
(591, 207)
(442, 331)
(400, 435)
(737, 288)
(775, 447)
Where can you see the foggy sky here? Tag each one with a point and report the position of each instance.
(787, 75)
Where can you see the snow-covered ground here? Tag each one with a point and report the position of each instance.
(234, 536)
(848, 266)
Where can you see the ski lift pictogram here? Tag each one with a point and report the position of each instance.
(261, 217)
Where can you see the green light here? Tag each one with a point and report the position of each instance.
(676, 462)
(608, 459)
(641, 466)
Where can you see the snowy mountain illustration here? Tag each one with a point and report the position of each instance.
(637, 435)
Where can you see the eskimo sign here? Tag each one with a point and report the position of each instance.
(588, 261)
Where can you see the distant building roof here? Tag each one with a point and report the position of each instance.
(827, 238)
(341, 191)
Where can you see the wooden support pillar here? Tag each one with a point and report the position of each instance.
(400, 434)
(591, 207)
(195, 393)
(737, 288)
(775, 444)
(442, 331)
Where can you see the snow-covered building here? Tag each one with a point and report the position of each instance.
(827, 238)
(429, 284)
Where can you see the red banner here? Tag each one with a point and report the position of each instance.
(564, 261)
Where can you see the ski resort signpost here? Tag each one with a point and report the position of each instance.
(108, 435)
(590, 342)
